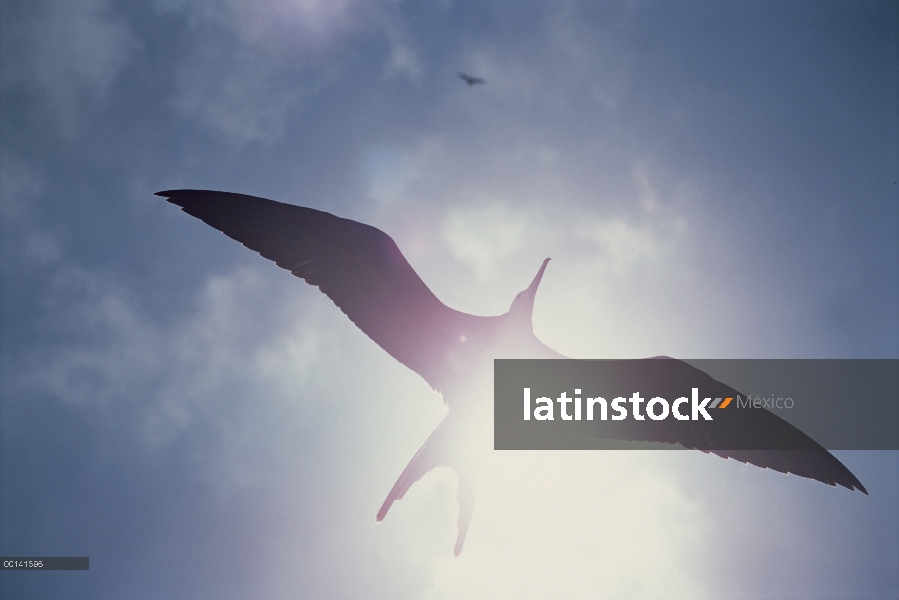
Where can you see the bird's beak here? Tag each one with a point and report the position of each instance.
(532, 289)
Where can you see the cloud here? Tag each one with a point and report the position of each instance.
(403, 61)
(251, 62)
(159, 380)
(245, 395)
(622, 244)
(485, 235)
(27, 244)
(569, 61)
(305, 27)
(546, 524)
(651, 232)
(623, 247)
(245, 97)
(73, 51)
(387, 173)
(477, 219)
(20, 187)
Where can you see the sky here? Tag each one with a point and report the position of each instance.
(710, 180)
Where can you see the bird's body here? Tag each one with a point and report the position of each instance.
(470, 80)
(361, 269)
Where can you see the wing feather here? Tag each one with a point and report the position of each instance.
(754, 436)
(359, 267)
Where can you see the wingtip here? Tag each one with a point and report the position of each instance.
(384, 508)
(460, 540)
(852, 487)
(854, 484)
(169, 196)
(182, 197)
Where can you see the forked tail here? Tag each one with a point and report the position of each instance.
(445, 447)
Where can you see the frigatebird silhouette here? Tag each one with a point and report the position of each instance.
(471, 80)
(361, 269)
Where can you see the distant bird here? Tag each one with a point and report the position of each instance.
(470, 80)
(361, 269)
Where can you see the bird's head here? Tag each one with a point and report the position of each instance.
(523, 306)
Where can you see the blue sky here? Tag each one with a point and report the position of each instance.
(710, 181)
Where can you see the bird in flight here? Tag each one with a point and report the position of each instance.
(470, 80)
(361, 269)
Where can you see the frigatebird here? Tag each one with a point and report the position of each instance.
(470, 80)
(361, 269)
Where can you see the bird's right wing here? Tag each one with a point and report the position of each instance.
(359, 267)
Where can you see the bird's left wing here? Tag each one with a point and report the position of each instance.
(752, 435)
(359, 267)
